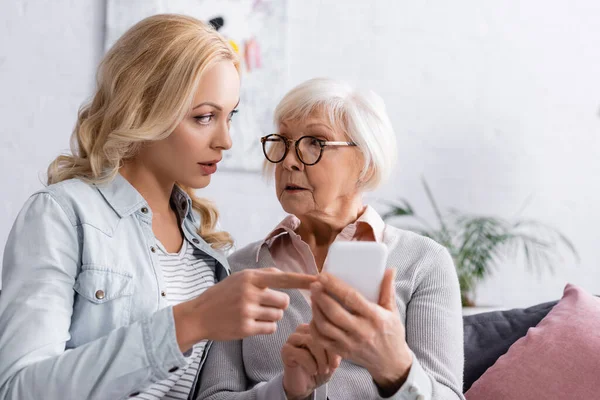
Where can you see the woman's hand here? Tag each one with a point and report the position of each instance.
(307, 365)
(241, 305)
(370, 335)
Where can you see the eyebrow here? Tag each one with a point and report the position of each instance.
(218, 107)
(318, 124)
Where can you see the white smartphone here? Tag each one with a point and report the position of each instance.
(359, 264)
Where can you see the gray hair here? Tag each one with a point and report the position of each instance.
(360, 114)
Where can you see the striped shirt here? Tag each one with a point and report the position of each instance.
(187, 274)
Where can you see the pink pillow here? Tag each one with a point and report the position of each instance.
(558, 359)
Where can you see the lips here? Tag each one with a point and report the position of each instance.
(211, 162)
(294, 187)
(209, 167)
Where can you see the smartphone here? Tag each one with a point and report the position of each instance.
(359, 264)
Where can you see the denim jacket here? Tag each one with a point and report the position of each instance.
(81, 311)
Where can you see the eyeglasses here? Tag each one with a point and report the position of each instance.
(309, 149)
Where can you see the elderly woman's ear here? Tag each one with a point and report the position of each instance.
(366, 177)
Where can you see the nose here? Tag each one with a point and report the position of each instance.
(222, 138)
(291, 161)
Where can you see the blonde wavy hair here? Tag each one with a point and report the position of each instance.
(145, 87)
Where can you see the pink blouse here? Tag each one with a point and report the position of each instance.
(292, 254)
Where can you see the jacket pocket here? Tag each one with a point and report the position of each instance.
(102, 303)
(101, 286)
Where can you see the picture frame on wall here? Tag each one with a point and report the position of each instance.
(257, 29)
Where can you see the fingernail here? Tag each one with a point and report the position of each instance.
(323, 278)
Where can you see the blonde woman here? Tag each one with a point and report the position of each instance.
(332, 144)
(112, 273)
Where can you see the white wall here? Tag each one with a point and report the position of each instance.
(48, 55)
(494, 103)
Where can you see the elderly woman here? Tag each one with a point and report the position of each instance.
(333, 144)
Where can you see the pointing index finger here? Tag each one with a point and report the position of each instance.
(283, 280)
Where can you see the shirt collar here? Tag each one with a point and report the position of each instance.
(125, 199)
(369, 220)
(182, 202)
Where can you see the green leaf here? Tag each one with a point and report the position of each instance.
(480, 244)
(434, 204)
(403, 208)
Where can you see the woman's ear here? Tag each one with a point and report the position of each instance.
(366, 175)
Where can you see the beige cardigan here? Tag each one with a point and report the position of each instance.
(428, 299)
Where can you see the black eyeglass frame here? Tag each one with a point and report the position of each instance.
(288, 142)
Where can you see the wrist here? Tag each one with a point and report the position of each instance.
(391, 380)
(187, 330)
(294, 396)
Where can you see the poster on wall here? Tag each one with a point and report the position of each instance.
(258, 29)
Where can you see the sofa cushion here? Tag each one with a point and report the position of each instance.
(558, 359)
(488, 335)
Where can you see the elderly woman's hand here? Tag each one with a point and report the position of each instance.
(307, 365)
(368, 334)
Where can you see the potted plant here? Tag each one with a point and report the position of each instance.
(479, 243)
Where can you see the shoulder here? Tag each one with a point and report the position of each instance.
(82, 202)
(410, 243)
(416, 255)
(246, 257)
(62, 194)
(49, 219)
(69, 189)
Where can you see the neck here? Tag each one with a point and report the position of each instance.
(156, 191)
(320, 229)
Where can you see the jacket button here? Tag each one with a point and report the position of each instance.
(145, 210)
(195, 240)
(99, 294)
(163, 294)
(173, 369)
(153, 249)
